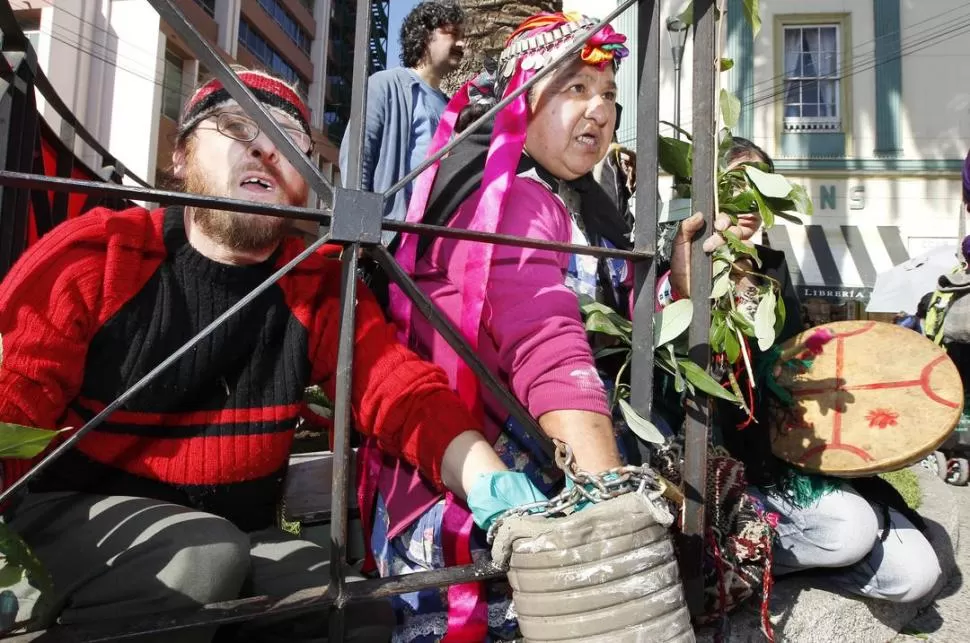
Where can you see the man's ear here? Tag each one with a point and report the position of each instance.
(179, 161)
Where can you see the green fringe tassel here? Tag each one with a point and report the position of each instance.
(804, 490)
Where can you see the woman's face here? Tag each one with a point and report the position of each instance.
(573, 114)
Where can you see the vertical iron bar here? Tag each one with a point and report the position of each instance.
(9, 88)
(358, 96)
(704, 195)
(345, 354)
(29, 142)
(645, 237)
(341, 436)
(15, 201)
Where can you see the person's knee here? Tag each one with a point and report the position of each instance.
(912, 573)
(846, 531)
(923, 577)
(207, 559)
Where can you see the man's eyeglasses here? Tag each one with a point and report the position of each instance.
(242, 128)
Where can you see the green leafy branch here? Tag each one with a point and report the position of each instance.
(670, 354)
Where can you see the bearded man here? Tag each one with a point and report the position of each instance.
(171, 502)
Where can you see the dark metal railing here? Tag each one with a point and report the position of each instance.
(355, 223)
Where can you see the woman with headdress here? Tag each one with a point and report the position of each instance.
(512, 305)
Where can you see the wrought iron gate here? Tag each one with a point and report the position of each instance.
(355, 222)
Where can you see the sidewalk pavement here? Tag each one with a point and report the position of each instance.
(802, 613)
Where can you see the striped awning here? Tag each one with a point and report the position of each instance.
(837, 263)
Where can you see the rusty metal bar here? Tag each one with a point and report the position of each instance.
(9, 492)
(573, 49)
(341, 439)
(704, 195)
(207, 55)
(645, 237)
(19, 155)
(455, 339)
(372, 214)
(258, 607)
(38, 181)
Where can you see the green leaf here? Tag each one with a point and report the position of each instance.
(753, 15)
(678, 128)
(702, 380)
(780, 316)
(15, 553)
(720, 267)
(687, 15)
(718, 330)
(676, 157)
(787, 216)
(802, 202)
(721, 287)
(732, 348)
(767, 214)
(742, 323)
(740, 248)
(742, 202)
(678, 379)
(10, 575)
(730, 109)
(764, 321)
(672, 322)
(643, 428)
(25, 442)
(771, 185)
(610, 350)
(597, 322)
(726, 64)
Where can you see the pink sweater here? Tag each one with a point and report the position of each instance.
(531, 336)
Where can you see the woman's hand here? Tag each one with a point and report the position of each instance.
(693, 225)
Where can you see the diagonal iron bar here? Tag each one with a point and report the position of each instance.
(165, 364)
(207, 55)
(573, 49)
(242, 610)
(99, 188)
(453, 336)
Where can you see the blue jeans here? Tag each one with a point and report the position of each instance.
(842, 531)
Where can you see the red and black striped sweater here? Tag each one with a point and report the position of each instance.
(104, 298)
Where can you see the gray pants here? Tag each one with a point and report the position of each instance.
(115, 557)
(842, 531)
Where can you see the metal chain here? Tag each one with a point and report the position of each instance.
(586, 487)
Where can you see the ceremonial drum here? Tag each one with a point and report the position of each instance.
(606, 574)
(880, 397)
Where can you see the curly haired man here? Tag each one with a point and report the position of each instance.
(405, 104)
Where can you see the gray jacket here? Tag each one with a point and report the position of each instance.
(387, 136)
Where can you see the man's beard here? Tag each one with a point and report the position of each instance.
(240, 231)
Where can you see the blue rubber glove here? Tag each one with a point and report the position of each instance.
(495, 493)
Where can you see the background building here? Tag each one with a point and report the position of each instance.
(866, 103)
(125, 73)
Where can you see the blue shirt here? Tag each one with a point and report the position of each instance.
(429, 104)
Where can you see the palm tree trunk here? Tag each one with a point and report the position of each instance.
(488, 23)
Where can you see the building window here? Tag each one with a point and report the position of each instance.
(208, 5)
(288, 24)
(812, 85)
(265, 54)
(172, 86)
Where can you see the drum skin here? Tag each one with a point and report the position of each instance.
(879, 398)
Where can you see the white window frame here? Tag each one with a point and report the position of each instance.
(801, 123)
